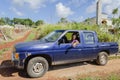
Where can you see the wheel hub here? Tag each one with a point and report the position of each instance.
(38, 67)
(103, 59)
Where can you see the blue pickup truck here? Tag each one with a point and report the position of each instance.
(56, 48)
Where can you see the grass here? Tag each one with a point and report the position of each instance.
(111, 76)
(114, 57)
(3, 50)
(30, 37)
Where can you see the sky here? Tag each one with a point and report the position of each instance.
(52, 10)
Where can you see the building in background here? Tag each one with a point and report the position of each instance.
(101, 18)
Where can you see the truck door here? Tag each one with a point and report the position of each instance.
(65, 52)
(90, 49)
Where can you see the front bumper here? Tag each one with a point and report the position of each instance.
(19, 64)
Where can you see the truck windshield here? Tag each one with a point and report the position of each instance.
(53, 36)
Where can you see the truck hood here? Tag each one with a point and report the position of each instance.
(32, 46)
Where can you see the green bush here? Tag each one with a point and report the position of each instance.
(103, 36)
(107, 37)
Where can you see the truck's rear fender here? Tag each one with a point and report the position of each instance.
(107, 51)
(109, 47)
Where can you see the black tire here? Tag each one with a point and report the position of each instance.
(37, 67)
(102, 58)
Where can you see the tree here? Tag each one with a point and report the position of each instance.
(87, 21)
(5, 20)
(39, 22)
(115, 11)
(2, 22)
(28, 22)
(16, 21)
(115, 21)
(63, 20)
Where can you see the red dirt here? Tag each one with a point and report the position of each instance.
(63, 72)
(9, 44)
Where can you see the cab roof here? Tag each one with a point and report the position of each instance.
(76, 30)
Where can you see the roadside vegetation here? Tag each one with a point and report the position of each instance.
(102, 35)
(27, 22)
(114, 57)
(3, 50)
(9, 34)
(31, 36)
(112, 76)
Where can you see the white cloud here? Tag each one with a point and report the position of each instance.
(18, 2)
(16, 11)
(78, 18)
(33, 4)
(63, 11)
(107, 1)
(108, 6)
(77, 3)
(91, 8)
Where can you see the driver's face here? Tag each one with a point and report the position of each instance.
(74, 36)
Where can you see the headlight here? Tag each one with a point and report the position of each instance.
(16, 55)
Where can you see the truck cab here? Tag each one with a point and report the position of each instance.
(56, 48)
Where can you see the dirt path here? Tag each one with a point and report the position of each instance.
(7, 54)
(9, 44)
(63, 72)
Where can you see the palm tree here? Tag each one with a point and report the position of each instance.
(115, 11)
(116, 22)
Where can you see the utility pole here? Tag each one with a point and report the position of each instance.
(99, 12)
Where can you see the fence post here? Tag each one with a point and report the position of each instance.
(3, 35)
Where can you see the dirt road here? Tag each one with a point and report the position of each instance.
(63, 72)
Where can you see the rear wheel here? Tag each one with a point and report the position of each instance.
(102, 58)
(37, 67)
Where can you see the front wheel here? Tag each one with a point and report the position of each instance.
(37, 67)
(102, 58)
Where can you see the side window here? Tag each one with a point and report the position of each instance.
(67, 38)
(89, 38)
